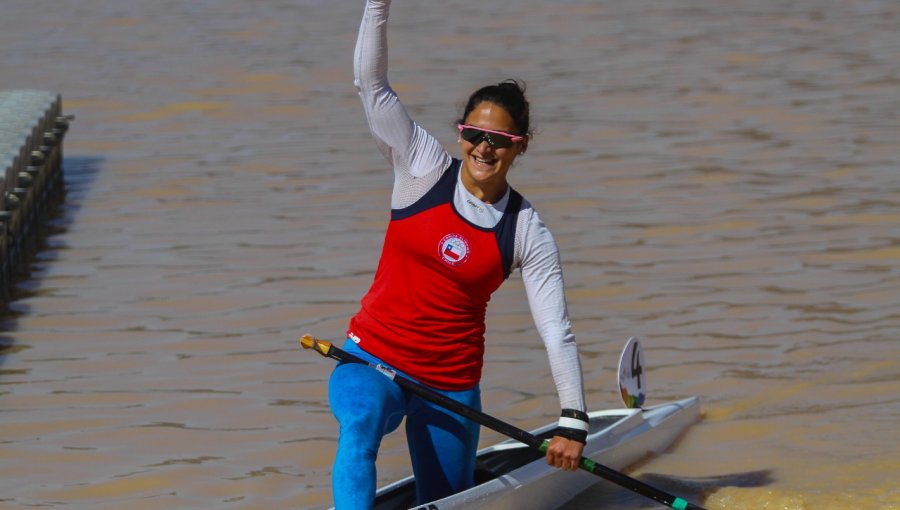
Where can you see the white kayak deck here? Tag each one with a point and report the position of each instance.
(509, 475)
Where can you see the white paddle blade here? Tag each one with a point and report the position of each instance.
(632, 380)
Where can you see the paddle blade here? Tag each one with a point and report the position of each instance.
(632, 380)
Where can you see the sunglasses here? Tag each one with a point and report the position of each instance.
(496, 139)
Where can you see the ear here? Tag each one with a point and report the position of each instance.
(524, 146)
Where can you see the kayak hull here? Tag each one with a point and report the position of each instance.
(512, 476)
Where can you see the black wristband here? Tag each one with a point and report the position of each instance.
(574, 425)
(575, 413)
(572, 434)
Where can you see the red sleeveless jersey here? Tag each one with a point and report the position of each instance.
(424, 314)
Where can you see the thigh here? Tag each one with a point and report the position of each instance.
(442, 445)
(367, 406)
(364, 401)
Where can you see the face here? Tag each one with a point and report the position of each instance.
(484, 167)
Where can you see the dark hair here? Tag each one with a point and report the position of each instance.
(510, 94)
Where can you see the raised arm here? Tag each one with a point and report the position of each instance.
(406, 145)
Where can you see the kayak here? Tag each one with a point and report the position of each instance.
(510, 475)
(514, 474)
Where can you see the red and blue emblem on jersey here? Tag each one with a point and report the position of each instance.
(454, 249)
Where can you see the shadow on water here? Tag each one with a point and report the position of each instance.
(79, 173)
(693, 489)
(700, 488)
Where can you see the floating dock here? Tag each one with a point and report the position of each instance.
(32, 128)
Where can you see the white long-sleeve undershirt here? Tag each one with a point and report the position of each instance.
(419, 160)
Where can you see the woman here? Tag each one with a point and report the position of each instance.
(457, 230)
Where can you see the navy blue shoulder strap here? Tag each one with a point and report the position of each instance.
(439, 194)
(506, 231)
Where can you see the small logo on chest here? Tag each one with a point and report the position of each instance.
(453, 249)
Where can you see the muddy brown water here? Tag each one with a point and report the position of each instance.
(721, 177)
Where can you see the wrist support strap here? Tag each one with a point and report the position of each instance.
(574, 425)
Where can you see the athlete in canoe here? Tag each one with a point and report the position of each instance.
(457, 230)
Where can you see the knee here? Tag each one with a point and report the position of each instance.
(359, 438)
(359, 419)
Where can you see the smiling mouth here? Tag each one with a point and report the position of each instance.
(483, 161)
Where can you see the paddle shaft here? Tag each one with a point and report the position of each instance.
(634, 485)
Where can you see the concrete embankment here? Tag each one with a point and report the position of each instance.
(32, 128)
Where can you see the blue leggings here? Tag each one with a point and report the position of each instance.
(368, 405)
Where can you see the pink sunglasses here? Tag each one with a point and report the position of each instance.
(496, 139)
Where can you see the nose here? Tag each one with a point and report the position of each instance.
(485, 148)
(485, 143)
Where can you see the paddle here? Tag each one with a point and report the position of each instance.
(326, 349)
